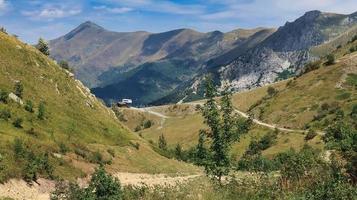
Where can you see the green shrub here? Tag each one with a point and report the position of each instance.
(102, 186)
(272, 91)
(64, 64)
(264, 143)
(18, 89)
(41, 111)
(63, 149)
(330, 59)
(29, 106)
(97, 157)
(4, 96)
(256, 163)
(311, 66)
(18, 122)
(296, 165)
(5, 114)
(137, 128)
(353, 113)
(18, 147)
(310, 135)
(136, 145)
(352, 80)
(147, 123)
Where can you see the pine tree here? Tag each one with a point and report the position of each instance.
(43, 47)
(162, 142)
(41, 111)
(178, 152)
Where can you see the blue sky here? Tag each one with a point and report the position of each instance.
(31, 19)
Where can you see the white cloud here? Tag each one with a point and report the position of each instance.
(51, 13)
(3, 6)
(116, 10)
(276, 9)
(162, 6)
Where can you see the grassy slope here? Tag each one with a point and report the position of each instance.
(183, 125)
(296, 105)
(69, 118)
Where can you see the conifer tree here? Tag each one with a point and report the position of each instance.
(162, 142)
(43, 47)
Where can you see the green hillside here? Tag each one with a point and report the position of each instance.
(315, 98)
(76, 131)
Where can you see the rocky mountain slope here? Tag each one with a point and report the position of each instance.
(51, 126)
(283, 52)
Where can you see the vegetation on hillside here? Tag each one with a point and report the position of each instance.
(53, 120)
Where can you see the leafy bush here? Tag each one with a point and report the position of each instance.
(310, 135)
(18, 122)
(353, 113)
(137, 128)
(64, 64)
(311, 66)
(296, 165)
(18, 89)
(272, 91)
(29, 106)
(256, 163)
(352, 80)
(136, 145)
(32, 164)
(102, 186)
(330, 59)
(4, 96)
(63, 149)
(5, 114)
(41, 111)
(147, 123)
(264, 143)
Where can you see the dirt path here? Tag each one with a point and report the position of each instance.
(271, 126)
(151, 179)
(148, 110)
(20, 190)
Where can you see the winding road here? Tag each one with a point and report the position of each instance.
(243, 114)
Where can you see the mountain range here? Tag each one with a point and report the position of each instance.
(157, 68)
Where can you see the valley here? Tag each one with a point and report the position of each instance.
(250, 113)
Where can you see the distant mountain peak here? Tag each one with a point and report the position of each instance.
(88, 25)
(310, 16)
